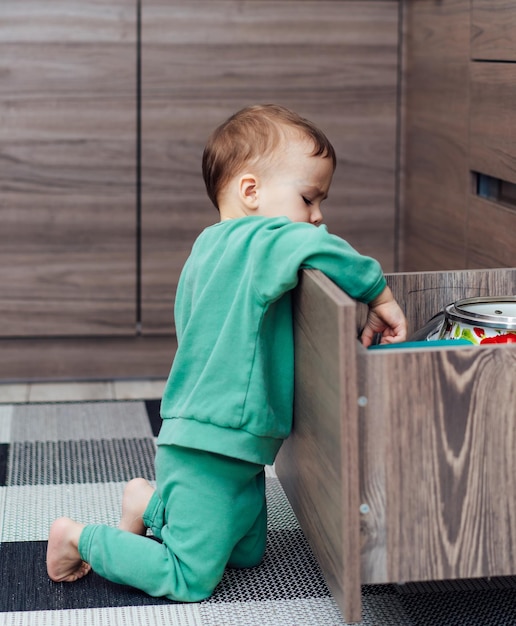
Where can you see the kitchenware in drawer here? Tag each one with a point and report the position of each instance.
(481, 321)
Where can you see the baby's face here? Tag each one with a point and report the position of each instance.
(296, 185)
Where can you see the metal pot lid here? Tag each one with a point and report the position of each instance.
(492, 312)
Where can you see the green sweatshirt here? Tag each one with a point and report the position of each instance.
(230, 389)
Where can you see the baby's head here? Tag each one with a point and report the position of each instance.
(256, 137)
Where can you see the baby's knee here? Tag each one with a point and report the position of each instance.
(247, 555)
(245, 561)
(250, 550)
(195, 590)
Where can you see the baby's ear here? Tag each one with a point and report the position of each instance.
(248, 189)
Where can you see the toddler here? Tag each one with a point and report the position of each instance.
(227, 405)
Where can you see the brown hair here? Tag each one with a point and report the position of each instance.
(250, 134)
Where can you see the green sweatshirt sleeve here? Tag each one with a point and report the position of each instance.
(288, 247)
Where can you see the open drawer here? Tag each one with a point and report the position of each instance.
(401, 465)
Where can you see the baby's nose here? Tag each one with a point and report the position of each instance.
(316, 216)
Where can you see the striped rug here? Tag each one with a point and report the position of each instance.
(74, 459)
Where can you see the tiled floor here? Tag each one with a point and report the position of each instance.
(81, 391)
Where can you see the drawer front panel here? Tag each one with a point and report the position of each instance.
(493, 120)
(491, 234)
(493, 30)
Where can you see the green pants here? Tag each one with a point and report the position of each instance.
(208, 512)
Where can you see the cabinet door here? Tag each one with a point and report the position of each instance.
(492, 140)
(493, 30)
(334, 62)
(435, 176)
(67, 175)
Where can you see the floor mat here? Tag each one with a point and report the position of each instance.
(74, 459)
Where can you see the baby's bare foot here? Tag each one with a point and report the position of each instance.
(64, 563)
(136, 497)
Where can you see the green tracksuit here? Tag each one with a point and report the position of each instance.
(227, 405)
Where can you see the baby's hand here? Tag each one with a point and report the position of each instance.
(385, 317)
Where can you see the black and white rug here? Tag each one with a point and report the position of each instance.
(74, 459)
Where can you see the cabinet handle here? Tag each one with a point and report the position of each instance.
(496, 190)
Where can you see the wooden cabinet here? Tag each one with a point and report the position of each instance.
(67, 175)
(333, 61)
(94, 93)
(459, 123)
(491, 223)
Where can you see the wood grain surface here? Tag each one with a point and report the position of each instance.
(67, 175)
(86, 358)
(435, 178)
(493, 120)
(437, 464)
(493, 30)
(491, 234)
(333, 61)
(318, 464)
(423, 294)
(435, 452)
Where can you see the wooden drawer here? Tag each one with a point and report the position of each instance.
(493, 120)
(401, 465)
(493, 30)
